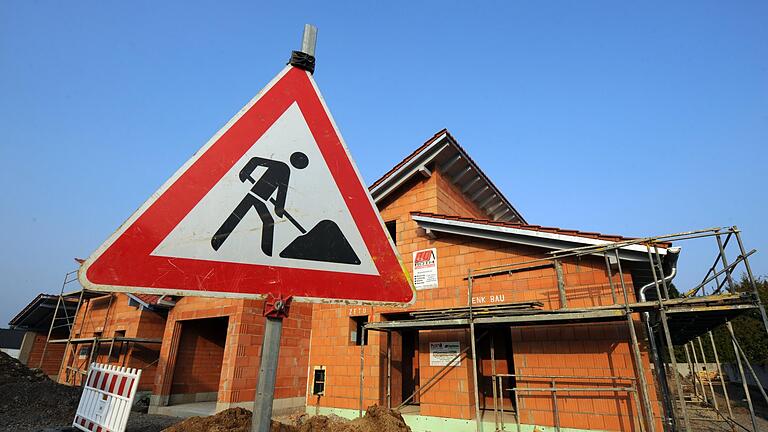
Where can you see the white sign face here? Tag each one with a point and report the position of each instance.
(242, 208)
(444, 353)
(425, 269)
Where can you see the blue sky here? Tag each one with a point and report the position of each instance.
(600, 116)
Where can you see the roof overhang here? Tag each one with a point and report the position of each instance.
(442, 152)
(37, 315)
(550, 241)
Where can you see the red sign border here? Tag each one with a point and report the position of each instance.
(115, 265)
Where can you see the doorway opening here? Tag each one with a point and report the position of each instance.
(502, 360)
(410, 365)
(199, 360)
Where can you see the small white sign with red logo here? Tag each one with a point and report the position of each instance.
(107, 398)
(425, 269)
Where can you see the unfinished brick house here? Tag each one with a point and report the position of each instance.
(513, 324)
(36, 319)
(190, 349)
(438, 199)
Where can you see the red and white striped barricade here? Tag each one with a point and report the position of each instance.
(107, 398)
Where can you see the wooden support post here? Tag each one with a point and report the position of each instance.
(720, 373)
(696, 372)
(706, 371)
(493, 383)
(667, 336)
(561, 284)
(389, 369)
(638, 359)
(759, 302)
(478, 416)
(744, 384)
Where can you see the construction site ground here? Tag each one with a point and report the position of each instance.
(705, 419)
(31, 402)
(376, 419)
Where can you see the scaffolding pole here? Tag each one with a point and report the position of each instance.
(638, 359)
(389, 369)
(362, 374)
(68, 346)
(760, 305)
(478, 417)
(743, 378)
(706, 371)
(667, 336)
(720, 373)
(59, 302)
(696, 373)
(690, 370)
(493, 383)
(751, 371)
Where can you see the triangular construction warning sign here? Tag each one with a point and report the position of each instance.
(272, 204)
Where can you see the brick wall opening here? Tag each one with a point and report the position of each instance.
(503, 360)
(199, 359)
(410, 364)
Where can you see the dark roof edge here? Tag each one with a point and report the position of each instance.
(413, 160)
(485, 177)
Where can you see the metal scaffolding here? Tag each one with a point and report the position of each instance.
(667, 322)
(62, 319)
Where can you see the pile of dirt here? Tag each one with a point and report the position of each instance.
(376, 419)
(30, 401)
(230, 420)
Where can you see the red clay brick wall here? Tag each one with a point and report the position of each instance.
(587, 350)
(418, 193)
(448, 395)
(189, 308)
(242, 351)
(53, 354)
(99, 315)
(451, 201)
(332, 348)
(201, 346)
(603, 350)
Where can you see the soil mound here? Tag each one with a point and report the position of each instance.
(231, 420)
(29, 401)
(12, 370)
(376, 419)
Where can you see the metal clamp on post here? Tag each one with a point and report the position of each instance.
(277, 306)
(303, 60)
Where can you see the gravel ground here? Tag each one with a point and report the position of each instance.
(704, 418)
(137, 422)
(30, 402)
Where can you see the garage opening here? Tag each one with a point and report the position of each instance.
(198, 361)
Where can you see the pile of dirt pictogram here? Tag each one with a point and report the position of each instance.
(376, 419)
(30, 400)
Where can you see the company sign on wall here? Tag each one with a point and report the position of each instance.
(425, 269)
(444, 353)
